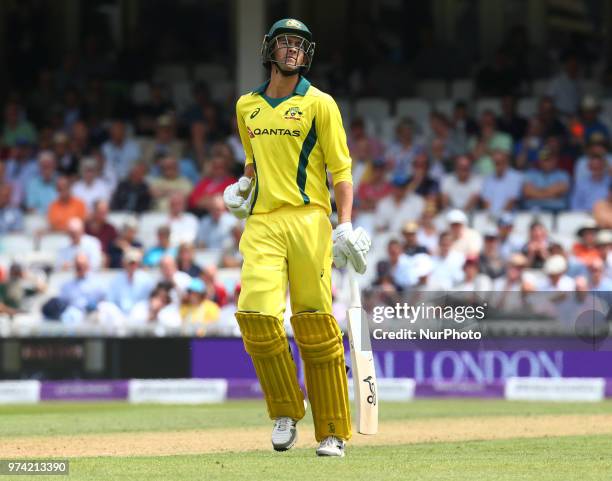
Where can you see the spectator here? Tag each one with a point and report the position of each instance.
(132, 285)
(481, 148)
(589, 190)
(199, 111)
(439, 159)
(169, 273)
(169, 182)
(232, 257)
(513, 279)
(215, 227)
(357, 132)
(537, 247)
(527, 150)
(65, 207)
(463, 126)
(196, 308)
(99, 227)
(374, 189)
(411, 245)
(163, 248)
(585, 250)
(198, 145)
(473, 279)
(165, 144)
(183, 225)
(491, 261)
(90, 188)
(67, 161)
(79, 243)
(156, 109)
(133, 193)
(421, 267)
(20, 167)
(11, 218)
(549, 120)
(16, 126)
(604, 245)
(121, 153)
(502, 189)
(40, 190)
(597, 145)
(510, 121)
(590, 121)
(442, 143)
(602, 210)
(215, 288)
(428, 234)
(125, 241)
(565, 89)
(185, 260)
(447, 264)
(19, 285)
(400, 206)
(398, 266)
(81, 294)
(499, 77)
(546, 188)
(508, 242)
(461, 189)
(420, 182)
(556, 279)
(160, 309)
(213, 183)
(463, 239)
(598, 280)
(402, 151)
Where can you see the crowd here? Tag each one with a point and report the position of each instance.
(71, 152)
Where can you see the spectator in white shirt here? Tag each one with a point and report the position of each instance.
(447, 264)
(120, 152)
(183, 225)
(216, 227)
(428, 234)
(464, 239)
(461, 189)
(502, 189)
(400, 206)
(556, 280)
(169, 272)
(565, 89)
(79, 243)
(90, 188)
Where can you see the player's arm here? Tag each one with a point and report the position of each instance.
(344, 201)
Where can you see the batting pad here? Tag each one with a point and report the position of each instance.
(320, 342)
(266, 342)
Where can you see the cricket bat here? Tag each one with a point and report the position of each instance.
(362, 361)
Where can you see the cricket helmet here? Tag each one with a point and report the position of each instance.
(278, 37)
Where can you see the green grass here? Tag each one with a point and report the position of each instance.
(543, 459)
(79, 418)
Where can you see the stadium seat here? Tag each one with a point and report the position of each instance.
(141, 93)
(523, 220)
(207, 257)
(527, 106)
(431, 89)
(539, 87)
(387, 130)
(118, 218)
(230, 278)
(491, 103)
(416, 109)
(56, 280)
(210, 72)
(591, 87)
(569, 222)
(15, 244)
(171, 73)
(51, 243)
(373, 108)
(462, 89)
(445, 106)
(221, 91)
(480, 220)
(182, 94)
(33, 223)
(147, 228)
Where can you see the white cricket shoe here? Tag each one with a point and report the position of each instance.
(284, 434)
(331, 446)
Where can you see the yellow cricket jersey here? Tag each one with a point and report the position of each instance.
(292, 142)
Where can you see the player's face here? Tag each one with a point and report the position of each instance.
(289, 50)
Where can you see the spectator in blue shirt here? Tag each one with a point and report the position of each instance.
(546, 187)
(163, 248)
(589, 109)
(592, 188)
(131, 285)
(41, 191)
(502, 189)
(11, 218)
(85, 291)
(120, 152)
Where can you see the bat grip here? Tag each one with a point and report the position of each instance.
(355, 291)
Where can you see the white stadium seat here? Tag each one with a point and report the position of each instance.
(182, 94)
(445, 106)
(171, 73)
(33, 223)
(493, 104)
(141, 93)
(51, 243)
(207, 257)
(210, 72)
(373, 108)
(431, 89)
(221, 91)
(118, 218)
(462, 89)
(16, 244)
(523, 220)
(417, 109)
(527, 106)
(539, 87)
(387, 130)
(147, 228)
(569, 222)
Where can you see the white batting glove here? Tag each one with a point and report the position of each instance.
(239, 196)
(351, 246)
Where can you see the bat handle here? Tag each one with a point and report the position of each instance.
(355, 291)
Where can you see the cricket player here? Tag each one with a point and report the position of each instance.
(292, 135)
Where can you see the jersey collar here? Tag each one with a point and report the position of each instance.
(300, 89)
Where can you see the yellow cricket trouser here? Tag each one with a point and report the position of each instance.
(292, 247)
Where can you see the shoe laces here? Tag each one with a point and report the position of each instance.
(330, 441)
(282, 424)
